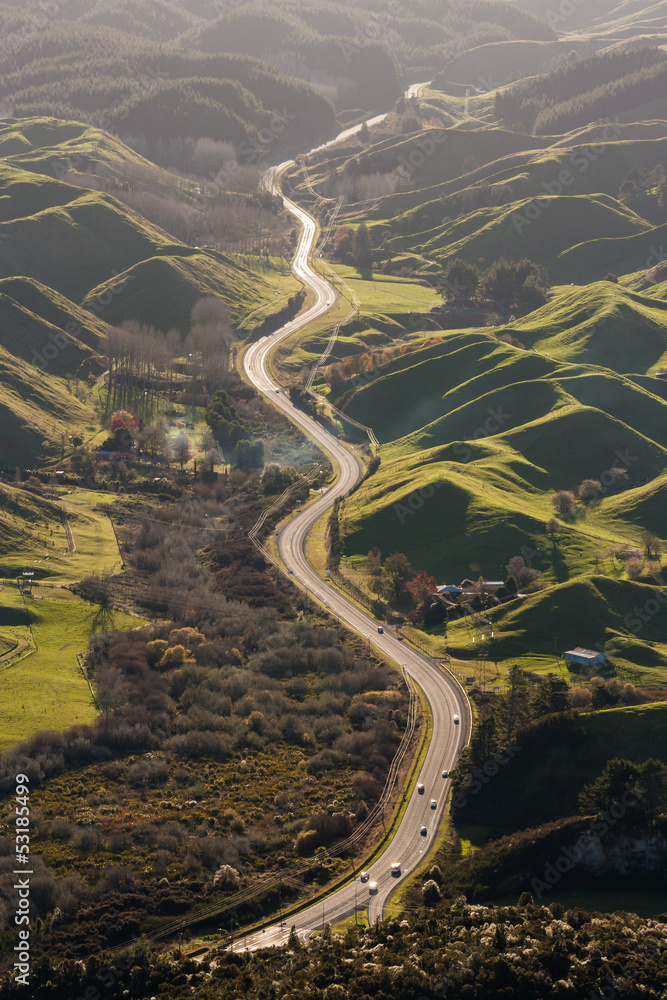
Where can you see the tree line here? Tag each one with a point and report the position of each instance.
(583, 90)
(155, 93)
(521, 285)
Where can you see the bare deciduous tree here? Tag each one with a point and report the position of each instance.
(564, 502)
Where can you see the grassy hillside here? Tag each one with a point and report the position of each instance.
(602, 324)
(160, 291)
(464, 372)
(642, 506)
(90, 228)
(35, 319)
(57, 148)
(40, 637)
(126, 266)
(482, 191)
(477, 435)
(45, 689)
(597, 612)
(594, 160)
(594, 257)
(36, 409)
(77, 260)
(507, 230)
(436, 171)
(25, 520)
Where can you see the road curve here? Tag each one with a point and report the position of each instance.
(445, 696)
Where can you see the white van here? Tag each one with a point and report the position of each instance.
(396, 868)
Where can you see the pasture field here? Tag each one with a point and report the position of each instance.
(45, 688)
(40, 636)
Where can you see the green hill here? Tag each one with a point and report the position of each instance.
(54, 309)
(523, 229)
(101, 254)
(593, 258)
(596, 612)
(592, 160)
(36, 409)
(89, 228)
(488, 66)
(45, 329)
(485, 192)
(575, 443)
(602, 324)
(643, 506)
(161, 291)
(464, 371)
(452, 517)
(22, 518)
(477, 435)
(76, 260)
(435, 159)
(60, 149)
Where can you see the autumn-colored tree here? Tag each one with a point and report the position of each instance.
(123, 419)
(421, 586)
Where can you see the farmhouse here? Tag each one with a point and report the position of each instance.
(584, 657)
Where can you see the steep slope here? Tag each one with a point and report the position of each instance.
(21, 514)
(75, 261)
(478, 435)
(44, 328)
(596, 612)
(601, 324)
(37, 409)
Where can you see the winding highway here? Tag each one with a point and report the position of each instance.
(419, 824)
